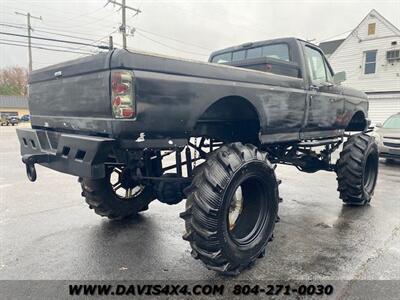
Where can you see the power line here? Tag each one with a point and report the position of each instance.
(96, 20)
(165, 45)
(47, 45)
(56, 40)
(43, 48)
(53, 11)
(172, 39)
(99, 40)
(331, 37)
(28, 17)
(83, 15)
(122, 28)
(56, 15)
(11, 23)
(64, 35)
(93, 41)
(19, 26)
(106, 36)
(66, 31)
(49, 32)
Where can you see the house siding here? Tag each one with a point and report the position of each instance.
(383, 106)
(349, 57)
(14, 105)
(383, 86)
(14, 111)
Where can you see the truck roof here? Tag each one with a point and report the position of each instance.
(258, 43)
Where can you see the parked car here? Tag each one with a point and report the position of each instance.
(25, 118)
(8, 120)
(13, 120)
(3, 120)
(112, 118)
(387, 136)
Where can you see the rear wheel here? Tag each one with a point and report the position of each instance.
(116, 196)
(231, 208)
(357, 169)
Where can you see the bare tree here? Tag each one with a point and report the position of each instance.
(13, 81)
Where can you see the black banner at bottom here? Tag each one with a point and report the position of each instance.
(223, 289)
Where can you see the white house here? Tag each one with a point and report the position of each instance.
(370, 55)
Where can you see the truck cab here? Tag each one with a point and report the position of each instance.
(327, 102)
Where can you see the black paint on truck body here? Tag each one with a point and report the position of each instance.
(172, 95)
(178, 99)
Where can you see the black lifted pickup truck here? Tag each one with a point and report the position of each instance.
(135, 127)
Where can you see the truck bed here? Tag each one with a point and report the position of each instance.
(75, 96)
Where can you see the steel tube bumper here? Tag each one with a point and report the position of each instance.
(74, 154)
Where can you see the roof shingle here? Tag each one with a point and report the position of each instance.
(330, 46)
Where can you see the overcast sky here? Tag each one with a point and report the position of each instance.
(186, 28)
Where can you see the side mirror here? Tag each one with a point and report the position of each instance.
(378, 125)
(339, 77)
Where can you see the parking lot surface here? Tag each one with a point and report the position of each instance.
(48, 232)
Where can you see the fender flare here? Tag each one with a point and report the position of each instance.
(256, 106)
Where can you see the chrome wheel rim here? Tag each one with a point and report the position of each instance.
(235, 208)
(122, 185)
(248, 211)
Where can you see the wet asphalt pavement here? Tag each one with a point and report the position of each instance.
(48, 232)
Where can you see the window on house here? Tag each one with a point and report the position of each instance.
(371, 28)
(370, 62)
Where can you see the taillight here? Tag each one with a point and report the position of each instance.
(122, 94)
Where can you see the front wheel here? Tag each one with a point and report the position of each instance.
(357, 169)
(116, 196)
(231, 208)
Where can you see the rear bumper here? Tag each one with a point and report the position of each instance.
(73, 154)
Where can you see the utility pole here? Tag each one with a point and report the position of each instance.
(122, 28)
(110, 43)
(29, 16)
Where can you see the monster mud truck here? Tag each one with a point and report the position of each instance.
(136, 127)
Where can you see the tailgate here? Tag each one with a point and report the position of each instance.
(73, 95)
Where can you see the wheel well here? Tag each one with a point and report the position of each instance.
(357, 122)
(229, 119)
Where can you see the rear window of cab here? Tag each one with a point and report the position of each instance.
(276, 51)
